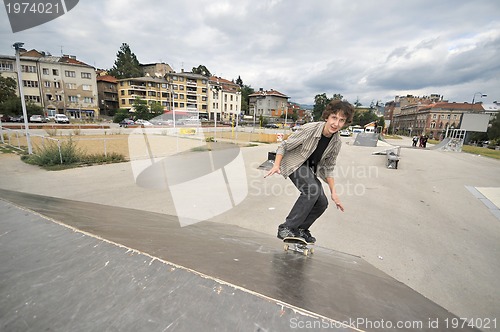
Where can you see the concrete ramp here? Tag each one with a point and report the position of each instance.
(366, 139)
(69, 265)
(440, 145)
(449, 144)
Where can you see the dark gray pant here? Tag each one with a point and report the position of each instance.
(311, 203)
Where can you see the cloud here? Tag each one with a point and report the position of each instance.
(366, 49)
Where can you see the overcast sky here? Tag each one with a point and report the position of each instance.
(363, 49)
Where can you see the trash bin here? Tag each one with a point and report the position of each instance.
(392, 160)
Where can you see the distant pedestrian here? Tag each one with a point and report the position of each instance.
(415, 141)
(424, 141)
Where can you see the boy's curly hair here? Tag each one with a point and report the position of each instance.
(336, 106)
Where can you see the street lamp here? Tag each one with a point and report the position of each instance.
(17, 47)
(474, 98)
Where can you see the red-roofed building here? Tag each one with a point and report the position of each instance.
(432, 119)
(58, 84)
(107, 93)
(224, 100)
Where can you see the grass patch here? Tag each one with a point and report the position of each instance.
(392, 137)
(481, 151)
(5, 148)
(50, 157)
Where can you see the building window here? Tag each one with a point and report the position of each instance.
(87, 87)
(28, 69)
(55, 72)
(30, 84)
(87, 75)
(6, 66)
(57, 85)
(35, 99)
(69, 73)
(46, 84)
(71, 86)
(88, 100)
(45, 71)
(73, 99)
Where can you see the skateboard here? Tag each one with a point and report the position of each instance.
(297, 244)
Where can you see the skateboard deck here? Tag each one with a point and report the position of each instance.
(297, 244)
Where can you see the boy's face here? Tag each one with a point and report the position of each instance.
(334, 123)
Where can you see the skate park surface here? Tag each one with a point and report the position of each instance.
(86, 248)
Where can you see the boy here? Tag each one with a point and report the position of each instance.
(307, 154)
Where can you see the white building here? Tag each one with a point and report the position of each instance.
(58, 84)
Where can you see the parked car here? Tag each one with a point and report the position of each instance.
(143, 122)
(272, 125)
(17, 118)
(345, 132)
(126, 122)
(61, 118)
(37, 118)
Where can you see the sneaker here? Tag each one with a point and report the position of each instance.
(304, 233)
(284, 232)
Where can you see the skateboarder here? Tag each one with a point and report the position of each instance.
(307, 154)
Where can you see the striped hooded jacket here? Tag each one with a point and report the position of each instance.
(297, 148)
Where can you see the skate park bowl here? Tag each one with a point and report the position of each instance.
(139, 270)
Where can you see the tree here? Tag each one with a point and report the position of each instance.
(8, 87)
(201, 70)
(121, 115)
(239, 81)
(246, 91)
(320, 102)
(126, 64)
(337, 96)
(156, 109)
(494, 129)
(363, 117)
(141, 109)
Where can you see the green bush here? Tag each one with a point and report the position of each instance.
(48, 156)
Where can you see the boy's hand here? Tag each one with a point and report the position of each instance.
(275, 169)
(337, 201)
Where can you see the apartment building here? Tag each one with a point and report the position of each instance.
(394, 107)
(224, 100)
(58, 84)
(270, 104)
(107, 93)
(150, 89)
(189, 93)
(432, 119)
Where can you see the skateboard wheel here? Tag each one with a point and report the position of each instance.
(312, 250)
(306, 251)
(285, 247)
